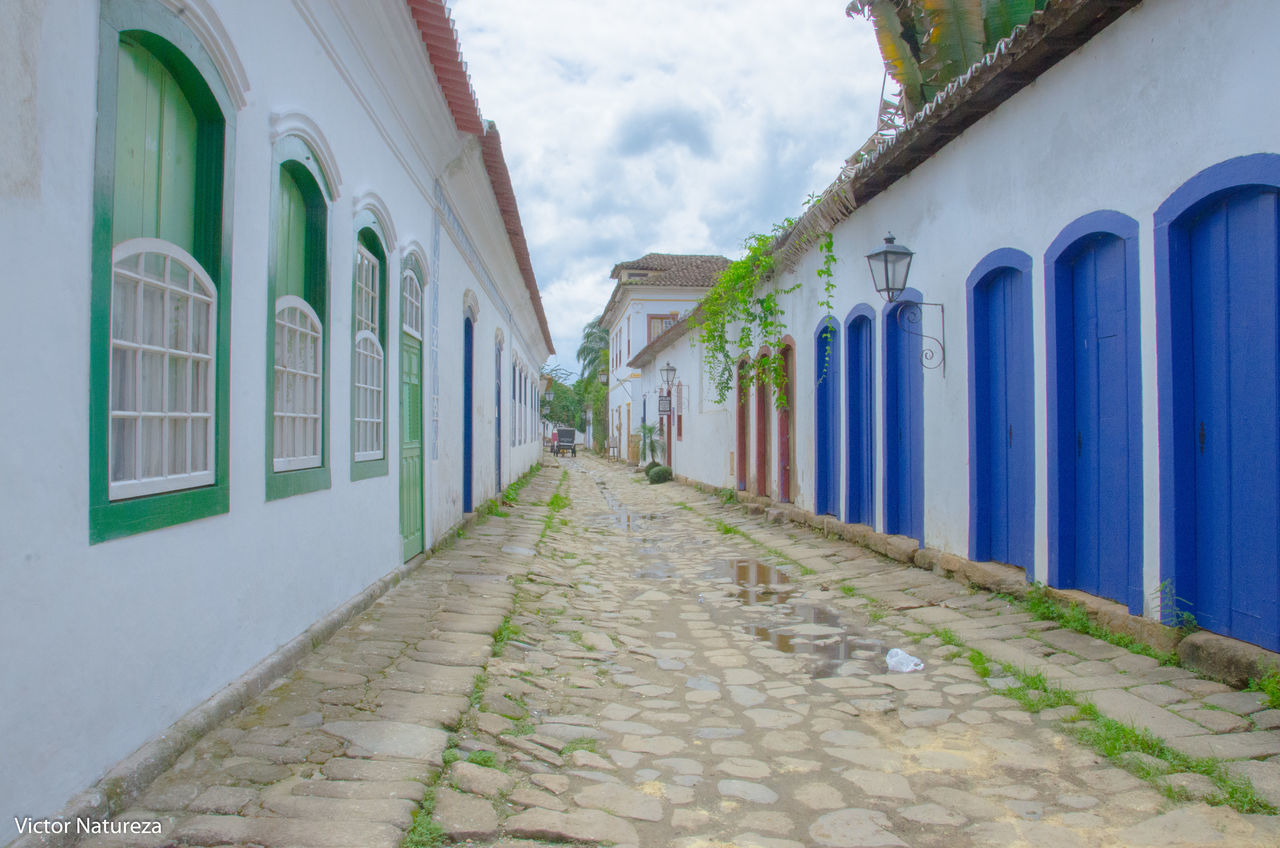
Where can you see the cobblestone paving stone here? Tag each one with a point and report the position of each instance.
(666, 688)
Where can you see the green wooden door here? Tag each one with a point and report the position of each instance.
(411, 506)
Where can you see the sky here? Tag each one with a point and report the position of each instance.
(671, 126)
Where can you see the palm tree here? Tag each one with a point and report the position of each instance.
(928, 43)
(593, 352)
(650, 443)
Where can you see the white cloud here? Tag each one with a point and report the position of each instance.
(665, 126)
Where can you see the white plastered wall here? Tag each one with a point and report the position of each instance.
(111, 643)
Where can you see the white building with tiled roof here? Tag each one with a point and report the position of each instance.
(652, 293)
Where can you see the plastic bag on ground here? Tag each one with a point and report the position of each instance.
(900, 660)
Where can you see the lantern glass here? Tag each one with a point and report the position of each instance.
(890, 266)
(668, 372)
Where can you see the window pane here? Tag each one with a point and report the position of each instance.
(200, 326)
(199, 444)
(152, 316)
(152, 447)
(153, 265)
(124, 432)
(179, 276)
(177, 384)
(199, 386)
(123, 362)
(177, 446)
(124, 309)
(177, 321)
(151, 382)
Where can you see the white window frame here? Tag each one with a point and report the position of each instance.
(368, 398)
(306, 385)
(170, 411)
(368, 268)
(411, 303)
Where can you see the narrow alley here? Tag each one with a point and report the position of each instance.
(669, 671)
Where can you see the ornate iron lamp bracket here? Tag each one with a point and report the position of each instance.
(933, 352)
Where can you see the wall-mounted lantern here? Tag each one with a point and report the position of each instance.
(668, 373)
(890, 266)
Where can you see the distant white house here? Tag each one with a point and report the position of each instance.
(1082, 377)
(652, 293)
(270, 330)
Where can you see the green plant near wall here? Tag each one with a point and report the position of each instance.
(741, 313)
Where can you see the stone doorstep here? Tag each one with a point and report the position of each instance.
(1214, 655)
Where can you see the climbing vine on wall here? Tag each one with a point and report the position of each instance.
(741, 314)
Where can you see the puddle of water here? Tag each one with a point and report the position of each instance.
(757, 583)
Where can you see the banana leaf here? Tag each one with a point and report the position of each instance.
(900, 60)
(999, 17)
(955, 41)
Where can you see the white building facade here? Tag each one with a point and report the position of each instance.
(652, 294)
(301, 338)
(1081, 378)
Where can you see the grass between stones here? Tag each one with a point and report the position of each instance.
(559, 501)
(505, 633)
(1114, 739)
(582, 743)
(1269, 686)
(425, 831)
(1074, 617)
(729, 530)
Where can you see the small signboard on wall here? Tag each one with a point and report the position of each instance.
(664, 405)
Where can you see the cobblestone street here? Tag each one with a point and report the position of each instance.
(673, 672)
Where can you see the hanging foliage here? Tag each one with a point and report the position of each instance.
(926, 44)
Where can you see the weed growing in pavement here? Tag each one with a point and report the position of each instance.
(582, 743)
(1269, 685)
(488, 759)
(506, 632)
(978, 660)
(450, 756)
(727, 496)
(478, 684)
(947, 636)
(425, 831)
(512, 492)
(521, 728)
(1034, 693)
(728, 529)
(848, 591)
(1113, 739)
(1074, 617)
(684, 506)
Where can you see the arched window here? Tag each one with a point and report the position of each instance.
(163, 322)
(297, 289)
(411, 302)
(161, 300)
(367, 401)
(298, 395)
(368, 358)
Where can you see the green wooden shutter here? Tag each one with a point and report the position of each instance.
(291, 241)
(155, 174)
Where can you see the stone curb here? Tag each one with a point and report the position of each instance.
(1220, 657)
(125, 782)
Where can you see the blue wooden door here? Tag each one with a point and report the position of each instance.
(1004, 464)
(903, 426)
(1102, 495)
(468, 373)
(860, 444)
(826, 416)
(1234, 283)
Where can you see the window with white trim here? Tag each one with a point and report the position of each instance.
(367, 433)
(410, 303)
(163, 331)
(366, 306)
(296, 433)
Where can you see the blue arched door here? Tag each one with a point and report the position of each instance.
(903, 420)
(468, 396)
(1095, 395)
(1223, 278)
(859, 415)
(1002, 457)
(826, 416)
